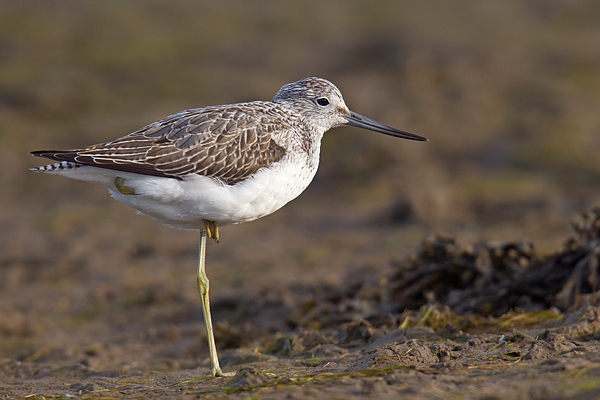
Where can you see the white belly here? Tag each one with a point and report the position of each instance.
(186, 203)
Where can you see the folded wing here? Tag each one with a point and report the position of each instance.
(227, 143)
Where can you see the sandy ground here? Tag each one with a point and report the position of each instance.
(353, 339)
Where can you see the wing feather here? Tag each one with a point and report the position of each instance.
(228, 142)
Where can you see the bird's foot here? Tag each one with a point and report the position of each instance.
(212, 230)
(220, 374)
(120, 185)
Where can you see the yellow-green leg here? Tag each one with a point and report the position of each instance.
(203, 289)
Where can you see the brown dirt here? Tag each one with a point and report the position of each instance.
(477, 332)
(442, 270)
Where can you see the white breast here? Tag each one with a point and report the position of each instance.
(186, 203)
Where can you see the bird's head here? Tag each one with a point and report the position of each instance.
(321, 104)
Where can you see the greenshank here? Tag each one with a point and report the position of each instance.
(207, 167)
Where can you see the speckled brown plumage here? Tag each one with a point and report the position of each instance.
(229, 143)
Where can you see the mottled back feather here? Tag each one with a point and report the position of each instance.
(225, 142)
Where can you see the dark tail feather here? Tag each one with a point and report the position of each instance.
(56, 155)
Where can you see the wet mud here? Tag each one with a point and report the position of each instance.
(494, 318)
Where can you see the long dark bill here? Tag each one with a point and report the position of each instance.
(361, 121)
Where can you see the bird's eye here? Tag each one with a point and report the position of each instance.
(323, 101)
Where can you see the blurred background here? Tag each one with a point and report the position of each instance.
(507, 92)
